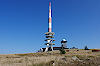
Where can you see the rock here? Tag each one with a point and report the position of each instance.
(74, 58)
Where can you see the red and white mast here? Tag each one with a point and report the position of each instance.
(49, 35)
(50, 19)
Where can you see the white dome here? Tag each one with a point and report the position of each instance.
(63, 39)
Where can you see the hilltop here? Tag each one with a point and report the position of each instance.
(72, 57)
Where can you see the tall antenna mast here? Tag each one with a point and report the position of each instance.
(50, 19)
(49, 34)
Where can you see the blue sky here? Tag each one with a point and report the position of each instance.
(24, 22)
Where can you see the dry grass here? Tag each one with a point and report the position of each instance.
(51, 59)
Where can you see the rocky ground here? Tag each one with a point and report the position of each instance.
(51, 59)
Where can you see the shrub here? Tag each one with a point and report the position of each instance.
(62, 51)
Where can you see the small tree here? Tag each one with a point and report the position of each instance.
(62, 51)
(86, 48)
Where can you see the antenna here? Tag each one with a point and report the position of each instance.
(49, 34)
